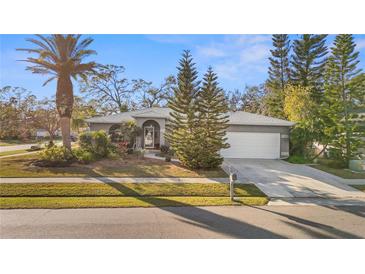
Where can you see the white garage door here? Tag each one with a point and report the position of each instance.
(252, 145)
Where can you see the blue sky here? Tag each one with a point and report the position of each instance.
(239, 60)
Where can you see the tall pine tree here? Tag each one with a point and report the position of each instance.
(279, 75)
(343, 96)
(182, 128)
(308, 63)
(213, 119)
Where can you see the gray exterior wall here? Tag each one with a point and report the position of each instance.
(139, 122)
(284, 134)
(97, 126)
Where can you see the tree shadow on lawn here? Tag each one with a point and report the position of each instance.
(200, 217)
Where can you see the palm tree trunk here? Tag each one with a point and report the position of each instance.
(66, 131)
(64, 102)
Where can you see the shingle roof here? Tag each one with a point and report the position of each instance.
(246, 118)
(235, 118)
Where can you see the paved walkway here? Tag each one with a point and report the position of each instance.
(111, 180)
(186, 222)
(279, 179)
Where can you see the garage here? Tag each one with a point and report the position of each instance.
(252, 145)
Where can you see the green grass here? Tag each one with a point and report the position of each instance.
(295, 159)
(359, 187)
(14, 152)
(127, 189)
(79, 195)
(21, 167)
(104, 202)
(343, 173)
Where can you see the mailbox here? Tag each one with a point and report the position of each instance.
(233, 177)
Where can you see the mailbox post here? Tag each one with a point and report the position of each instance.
(232, 179)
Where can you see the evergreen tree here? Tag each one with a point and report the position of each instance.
(213, 119)
(343, 96)
(279, 74)
(182, 128)
(308, 63)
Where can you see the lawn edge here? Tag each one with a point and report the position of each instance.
(241, 201)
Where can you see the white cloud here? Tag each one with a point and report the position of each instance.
(360, 44)
(210, 51)
(253, 39)
(255, 53)
(238, 56)
(227, 70)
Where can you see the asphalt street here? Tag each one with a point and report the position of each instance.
(186, 222)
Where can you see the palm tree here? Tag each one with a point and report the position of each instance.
(61, 56)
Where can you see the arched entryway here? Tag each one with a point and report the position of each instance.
(151, 135)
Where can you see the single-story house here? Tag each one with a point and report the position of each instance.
(249, 135)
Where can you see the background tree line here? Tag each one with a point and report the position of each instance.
(320, 88)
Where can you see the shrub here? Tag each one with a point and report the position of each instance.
(55, 156)
(50, 144)
(122, 148)
(125, 132)
(164, 149)
(168, 158)
(83, 155)
(298, 159)
(101, 144)
(97, 143)
(86, 141)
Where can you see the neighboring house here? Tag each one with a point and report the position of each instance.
(249, 135)
(42, 133)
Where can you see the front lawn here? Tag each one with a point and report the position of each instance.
(89, 195)
(130, 167)
(127, 189)
(14, 152)
(106, 202)
(344, 173)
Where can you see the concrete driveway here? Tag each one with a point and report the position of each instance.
(285, 180)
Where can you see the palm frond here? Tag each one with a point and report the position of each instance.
(60, 53)
(49, 80)
(43, 63)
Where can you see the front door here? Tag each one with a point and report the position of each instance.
(149, 137)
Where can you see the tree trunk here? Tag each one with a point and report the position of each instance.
(64, 103)
(66, 130)
(316, 156)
